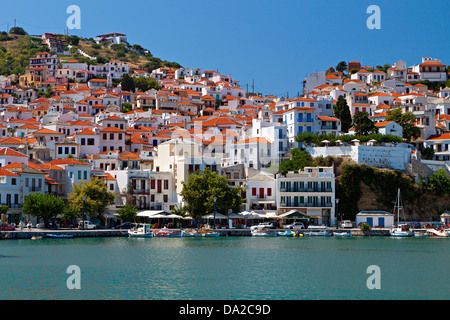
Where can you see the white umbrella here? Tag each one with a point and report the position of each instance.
(211, 216)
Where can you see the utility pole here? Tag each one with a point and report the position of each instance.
(253, 86)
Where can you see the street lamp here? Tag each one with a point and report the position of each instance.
(84, 199)
(215, 199)
(336, 214)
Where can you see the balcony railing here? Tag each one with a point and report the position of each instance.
(306, 190)
(307, 205)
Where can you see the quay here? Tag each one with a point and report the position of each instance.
(25, 234)
(36, 233)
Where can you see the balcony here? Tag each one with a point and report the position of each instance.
(306, 190)
(306, 205)
(34, 189)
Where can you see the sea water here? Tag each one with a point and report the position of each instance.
(236, 268)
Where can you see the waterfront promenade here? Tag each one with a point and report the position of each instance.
(36, 233)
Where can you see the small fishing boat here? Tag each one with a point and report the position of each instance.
(264, 232)
(437, 233)
(37, 237)
(142, 231)
(166, 233)
(210, 233)
(60, 236)
(318, 231)
(344, 234)
(287, 233)
(192, 233)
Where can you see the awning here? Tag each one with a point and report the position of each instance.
(295, 214)
(150, 213)
(211, 216)
(316, 217)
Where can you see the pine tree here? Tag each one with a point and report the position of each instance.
(342, 112)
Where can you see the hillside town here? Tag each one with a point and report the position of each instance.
(144, 144)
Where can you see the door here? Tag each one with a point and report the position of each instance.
(370, 221)
(381, 222)
(261, 193)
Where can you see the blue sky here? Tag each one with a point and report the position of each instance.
(273, 43)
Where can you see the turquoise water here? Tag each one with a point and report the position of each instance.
(236, 268)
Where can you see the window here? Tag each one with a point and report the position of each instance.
(111, 187)
(74, 150)
(269, 192)
(166, 198)
(13, 181)
(85, 175)
(79, 174)
(253, 191)
(166, 184)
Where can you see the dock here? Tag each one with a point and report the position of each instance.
(36, 233)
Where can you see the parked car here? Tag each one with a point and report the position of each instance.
(7, 227)
(126, 225)
(346, 224)
(295, 225)
(88, 225)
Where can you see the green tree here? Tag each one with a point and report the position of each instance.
(341, 66)
(428, 153)
(18, 30)
(406, 121)
(144, 84)
(127, 213)
(97, 197)
(3, 210)
(300, 158)
(202, 186)
(342, 112)
(43, 206)
(127, 83)
(363, 125)
(438, 183)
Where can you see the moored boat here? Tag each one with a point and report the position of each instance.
(402, 230)
(421, 234)
(318, 231)
(166, 233)
(61, 236)
(344, 234)
(142, 231)
(287, 233)
(437, 233)
(264, 232)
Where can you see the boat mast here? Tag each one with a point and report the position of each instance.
(398, 206)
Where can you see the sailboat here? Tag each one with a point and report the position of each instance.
(402, 229)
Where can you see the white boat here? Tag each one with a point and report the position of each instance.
(402, 230)
(142, 231)
(264, 232)
(318, 231)
(166, 233)
(421, 234)
(437, 233)
(200, 233)
(345, 234)
(287, 233)
(192, 233)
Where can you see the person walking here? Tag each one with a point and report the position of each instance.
(21, 225)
